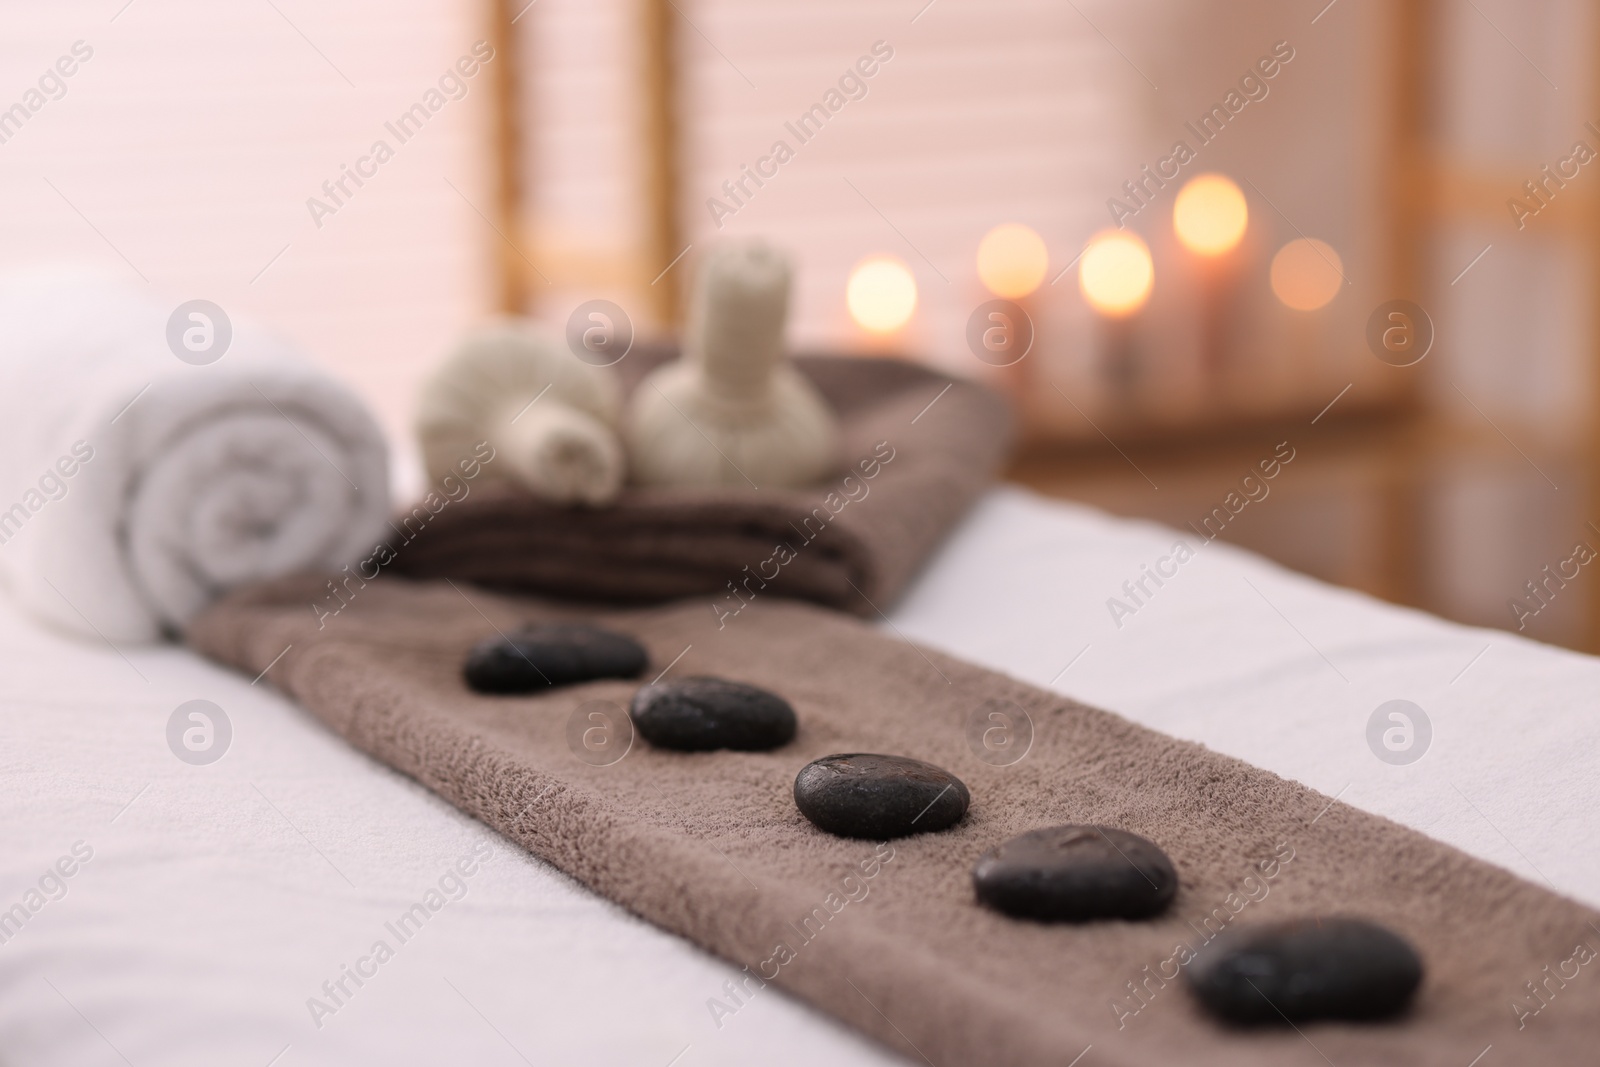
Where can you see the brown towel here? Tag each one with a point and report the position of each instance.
(910, 471)
(888, 938)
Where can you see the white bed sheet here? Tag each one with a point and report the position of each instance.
(220, 898)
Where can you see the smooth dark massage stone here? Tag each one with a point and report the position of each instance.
(1074, 874)
(703, 714)
(879, 797)
(1305, 969)
(545, 655)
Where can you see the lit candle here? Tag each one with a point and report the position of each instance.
(1209, 217)
(1306, 274)
(1115, 275)
(1012, 263)
(881, 295)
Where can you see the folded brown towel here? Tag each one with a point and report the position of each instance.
(888, 937)
(910, 471)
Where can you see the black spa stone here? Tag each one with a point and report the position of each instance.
(1305, 969)
(703, 714)
(879, 797)
(544, 655)
(1075, 874)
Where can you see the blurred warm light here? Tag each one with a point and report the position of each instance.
(1306, 274)
(1116, 273)
(881, 294)
(1012, 260)
(1210, 215)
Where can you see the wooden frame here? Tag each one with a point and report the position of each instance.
(660, 92)
(659, 98)
(1432, 190)
(506, 158)
(1411, 74)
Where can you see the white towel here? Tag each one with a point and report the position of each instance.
(136, 486)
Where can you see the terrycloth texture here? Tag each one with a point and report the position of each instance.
(135, 486)
(854, 541)
(712, 847)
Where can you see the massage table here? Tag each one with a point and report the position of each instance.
(219, 899)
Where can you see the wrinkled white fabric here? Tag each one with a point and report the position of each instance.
(220, 898)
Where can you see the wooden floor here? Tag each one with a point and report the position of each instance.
(1454, 519)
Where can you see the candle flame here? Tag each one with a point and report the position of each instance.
(1116, 273)
(1210, 215)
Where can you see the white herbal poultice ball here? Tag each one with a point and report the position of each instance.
(732, 411)
(550, 416)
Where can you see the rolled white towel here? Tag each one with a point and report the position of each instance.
(136, 487)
